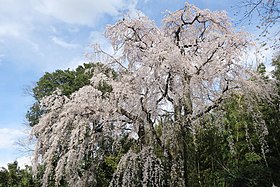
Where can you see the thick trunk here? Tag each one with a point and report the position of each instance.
(182, 114)
(185, 155)
(185, 124)
(188, 108)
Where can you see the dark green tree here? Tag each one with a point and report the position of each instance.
(68, 81)
(238, 154)
(14, 176)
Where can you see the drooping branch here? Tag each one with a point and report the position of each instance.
(99, 51)
(209, 59)
(127, 114)
(215, 104)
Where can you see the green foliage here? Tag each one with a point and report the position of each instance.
(110, 162)
(252, 175)
(252, 157)
(271, 113)
(262, 71)
(276, 71)
(16, 177)
(34, 113)
(231, 154)
(4, 177)
(68, 81)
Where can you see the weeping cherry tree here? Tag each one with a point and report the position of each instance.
(167, 79)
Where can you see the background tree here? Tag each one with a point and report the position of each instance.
(238, 154)
(14, 176)
(67, 81)
(271, 112)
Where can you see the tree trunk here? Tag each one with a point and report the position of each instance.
(186, 124)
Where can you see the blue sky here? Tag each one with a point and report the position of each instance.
(43, 35)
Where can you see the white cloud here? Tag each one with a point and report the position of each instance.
(63, 43)
(10, 29)
(3, 163)
(132, 11)
(39, 33)
(12, 7)
(1, 58)
(9, 150)
(9, 136)
(22, 161)
(16, 17)
(73, 64)
(25, 160)
(82, 12)
(53, 29)
(256, 55)
(99, 37)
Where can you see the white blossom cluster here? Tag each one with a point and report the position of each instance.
(127, 173)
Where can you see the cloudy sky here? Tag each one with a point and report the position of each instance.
(43, 35)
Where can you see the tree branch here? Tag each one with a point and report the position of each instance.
(165, 93)
(215, 104)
